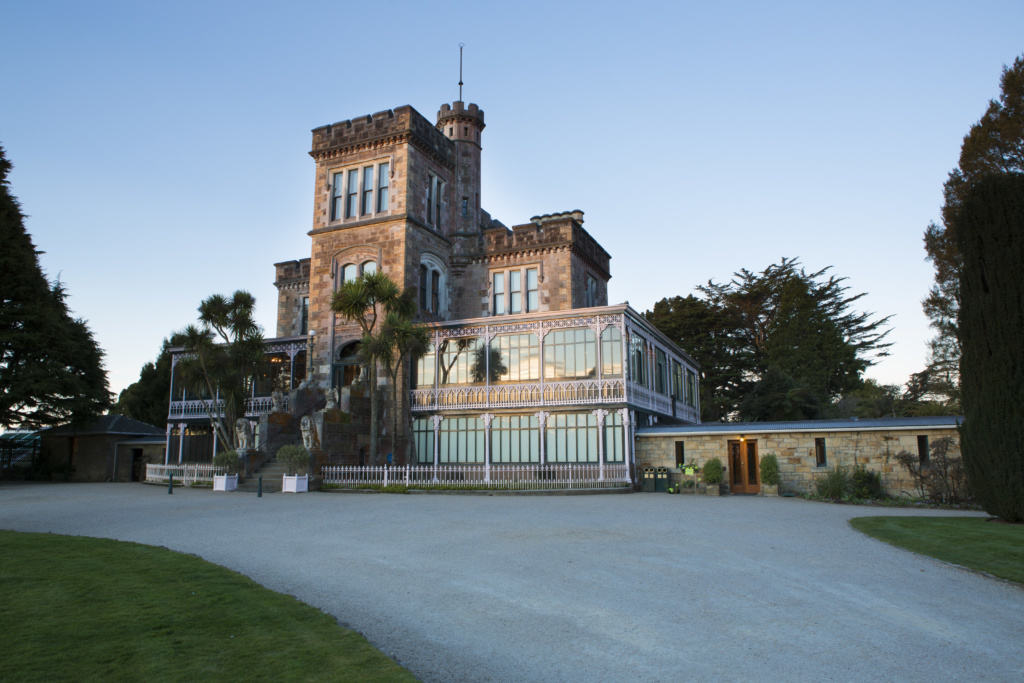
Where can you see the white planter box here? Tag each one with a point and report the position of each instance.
(295, 483)
(225, 482)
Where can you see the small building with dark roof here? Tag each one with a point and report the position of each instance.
(110, 448)
(805, 449)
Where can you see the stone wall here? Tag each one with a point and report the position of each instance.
(292, 281)
(874, 449)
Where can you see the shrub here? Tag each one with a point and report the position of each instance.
(294, 458)
(713, 471)
(865, 484)
(770, 470)
(834, 485)
(229, 460)
(940, 480)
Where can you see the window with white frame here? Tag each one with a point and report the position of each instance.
(590, 297)
(353, 191)
(350, 271)
(515, 290)
(432, 285)
(435, 200)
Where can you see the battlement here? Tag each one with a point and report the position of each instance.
(363, 130)
(458, 111)
(291, 271)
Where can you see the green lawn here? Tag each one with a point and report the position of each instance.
(974, 542)
(78, 608)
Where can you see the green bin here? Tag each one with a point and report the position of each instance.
(661, 480)
(648, 480)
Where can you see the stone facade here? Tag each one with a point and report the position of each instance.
(873, 446)
(396, 191)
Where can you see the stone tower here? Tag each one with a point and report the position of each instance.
(463, 126)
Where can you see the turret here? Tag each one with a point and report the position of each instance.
(463, 125)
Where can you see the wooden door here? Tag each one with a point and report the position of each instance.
(744, 473)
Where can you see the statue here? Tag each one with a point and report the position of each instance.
(243, 434)
(332, 398)
(310, 438)
(276, 401)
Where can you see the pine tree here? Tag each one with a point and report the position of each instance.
(990, 238)
(51, 369)
(995, 144)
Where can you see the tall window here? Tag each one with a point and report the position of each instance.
(425, 367)
(678, 390)
(424, 292)
(922, 449)
(611, 352)
(660, 372)
(338, 196)
(638, 360)
(435, 194)
(820, 458)
(352, 194)
(571, 437)
(435, 292)
(304, 321)
(613, 438)
(423, 435)
(498, 294)
(367, 190)
(352, 191)
(461, 440)
(512, 299)
(515, 291)
(590, 294)
(691, 388)
(532, 291)
(515, 439)
(432, 284)
(461, 361)
(570, 354)
(383, 181)
(520, 356)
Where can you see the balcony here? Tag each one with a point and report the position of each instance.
(197, 409)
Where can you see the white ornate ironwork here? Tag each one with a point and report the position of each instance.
(565, 393)
(502, 477)
(199, 408)
(186, 474)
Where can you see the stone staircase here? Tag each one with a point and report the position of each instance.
(271, 471)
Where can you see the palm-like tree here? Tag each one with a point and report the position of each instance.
(365, 300)
(225, 356)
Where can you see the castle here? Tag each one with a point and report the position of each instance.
(528, 363)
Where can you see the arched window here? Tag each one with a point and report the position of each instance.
(368, 267)
(433, 285)
(349, 272)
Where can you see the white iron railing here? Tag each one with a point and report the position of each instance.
(503, 477)
(186, 474)
(197, 408)
(567, 393)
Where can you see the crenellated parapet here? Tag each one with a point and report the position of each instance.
(549, 231)
(391, 126)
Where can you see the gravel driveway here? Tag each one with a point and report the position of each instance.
(606, 587)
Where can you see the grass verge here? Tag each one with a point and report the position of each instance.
(94, 609)
(989, 546)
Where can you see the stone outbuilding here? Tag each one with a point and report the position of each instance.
(110, 448)
(804, 449)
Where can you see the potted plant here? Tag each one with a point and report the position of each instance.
(228, 481)
(295, 460)
(713, 476)
(770, 475)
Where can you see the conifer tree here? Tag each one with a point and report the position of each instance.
(990, 238)
(51, 369)
(995, 144)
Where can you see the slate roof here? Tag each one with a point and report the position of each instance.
(107, 424)
(930, 421)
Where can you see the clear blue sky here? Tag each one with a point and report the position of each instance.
(160, 148)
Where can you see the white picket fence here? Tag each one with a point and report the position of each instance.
(186, 474)
(503, 477)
